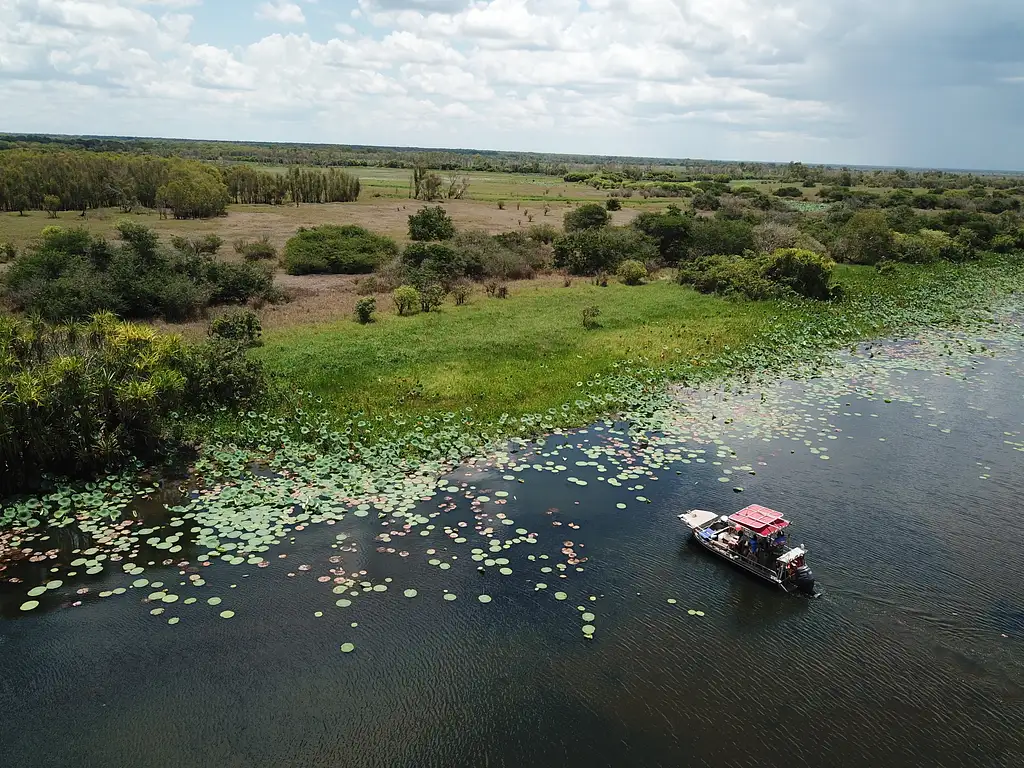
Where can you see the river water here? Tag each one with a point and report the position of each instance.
(901, 472)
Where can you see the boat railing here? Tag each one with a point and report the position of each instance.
(753, 565)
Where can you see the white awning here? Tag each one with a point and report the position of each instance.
(698, 518)
(793, 554)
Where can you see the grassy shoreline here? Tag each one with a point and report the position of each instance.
(530, 354)
(332, 442)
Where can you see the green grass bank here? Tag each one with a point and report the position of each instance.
(530, 353)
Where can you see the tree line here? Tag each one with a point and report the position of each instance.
(633, 168)
(77, 180)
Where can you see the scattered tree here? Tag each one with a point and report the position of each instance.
(406, 298)
(431, 223)
(588, 216)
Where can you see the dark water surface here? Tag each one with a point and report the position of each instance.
(914, 655)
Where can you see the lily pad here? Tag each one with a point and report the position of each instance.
(347, 647)
(484, 598)
(30, 605)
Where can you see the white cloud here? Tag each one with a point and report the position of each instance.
(281, 11)
(847, 80)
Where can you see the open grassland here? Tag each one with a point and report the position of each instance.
(383, 215)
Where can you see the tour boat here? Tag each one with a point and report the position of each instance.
(755, 540)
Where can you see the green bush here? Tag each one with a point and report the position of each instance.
(431, 297)
(716, 236)
(728, 275)
(670, 230)
(787, 272)
(805, 273)
(81, 399)
(590, 315)
(588, 251)
(543, 233)
(237, 283)
(436, 262)
(8, 252)
(431, 223)
(587, 216)
(256, 250)
(345, 249)
(70, 274)
(406, 299)
(706, 201)
(865, 239)
(632, 272)
(613, 204)
(242, 326)
(788, 192)
(365, 308)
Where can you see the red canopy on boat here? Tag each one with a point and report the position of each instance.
(761, 520)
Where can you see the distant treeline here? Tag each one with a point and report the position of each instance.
(632, 168)
(53, 179)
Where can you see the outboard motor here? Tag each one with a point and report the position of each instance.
(805, 580)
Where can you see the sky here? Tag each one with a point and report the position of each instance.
(923, 83)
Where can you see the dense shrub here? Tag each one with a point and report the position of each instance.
(788, 192)
(242, 326)
(256, 250)
(632, 272)
(81, 399)
(720, 236)
(431, 223)
(346, 249)
(237, 283)
(589, 251)
(590, 315)
(587, 216)
(706, 201)
(8, 252)
(508, 256)
(70, 274)
(435, 262)
(927, 246)
(786, 272)
(1008, 242)
(865, 239)
(805, 273)
(670, 230)
(365, 308)
(543, 233)
(406, 298)
(613, 204)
